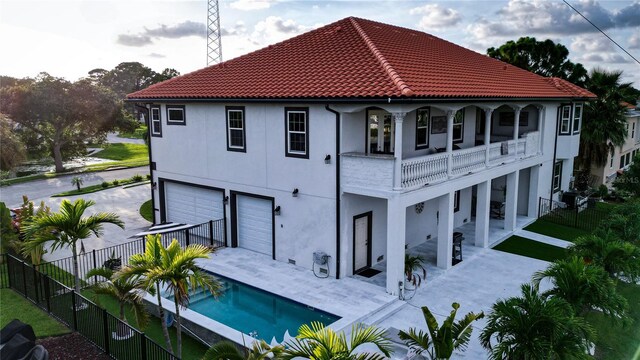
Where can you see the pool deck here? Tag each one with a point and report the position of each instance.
(353, 300)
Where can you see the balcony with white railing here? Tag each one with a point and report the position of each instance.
(377, 171)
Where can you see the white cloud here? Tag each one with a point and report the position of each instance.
(634, 40)
(275, 29)
(436, 17)
(248, 5)
(591, 43)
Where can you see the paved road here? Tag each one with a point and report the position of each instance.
(42, 189)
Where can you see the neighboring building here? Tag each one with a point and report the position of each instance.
(359, 139)
(623, 156)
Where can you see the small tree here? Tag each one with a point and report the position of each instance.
(77, 181)
(411, 265)
(8, 232)
(439, 343)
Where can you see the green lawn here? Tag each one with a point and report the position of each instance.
(544, 227)
(124, 155)
(146, 211)
(191, 349)
(615, 341)
(533, 249)
(136, 134)
(14, 306)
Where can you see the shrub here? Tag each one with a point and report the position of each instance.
(148, 176)
(115, 182)
(603, 190)
(104, 184)
(136, 178)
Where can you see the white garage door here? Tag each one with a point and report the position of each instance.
(255, 226)
(187, 204)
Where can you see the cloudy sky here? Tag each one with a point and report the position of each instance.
(70, 38)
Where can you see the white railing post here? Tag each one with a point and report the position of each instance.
(398, 118)
(451, 114)
(516, 130)
(487, 133)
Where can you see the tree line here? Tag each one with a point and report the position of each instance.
(50, 116)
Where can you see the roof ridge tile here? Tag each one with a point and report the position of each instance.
(391, 72)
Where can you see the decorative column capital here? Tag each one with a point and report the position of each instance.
(451, 114)
(399, 116)
(540, 107)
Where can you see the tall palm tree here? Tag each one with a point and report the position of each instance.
(604, 249)
(585, 287)
(226, 350)
(126, 291)
(322, 343)
(439, 343)
(140, 265)
(176, 269)
(66, 227)
(534, 327)
(604, 122)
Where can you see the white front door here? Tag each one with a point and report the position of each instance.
(361, 242)
(255, 224)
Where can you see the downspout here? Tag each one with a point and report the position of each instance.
(147, 120)
(337, 189)
(555, 150)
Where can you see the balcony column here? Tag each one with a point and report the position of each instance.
(398, 118)
(511, 206)
(487, 134)
(534, 176)
(541, 123)
(396, 220)
(451, 114)
(482, 213)
(445, 231)
(516, 130)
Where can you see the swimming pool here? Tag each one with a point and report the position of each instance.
(256, 312)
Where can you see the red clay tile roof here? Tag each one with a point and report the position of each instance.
(357, 58)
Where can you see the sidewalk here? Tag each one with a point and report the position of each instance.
(543, 238)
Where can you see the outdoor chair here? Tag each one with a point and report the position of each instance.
(37, 353)
(17, 348)
(16, 327)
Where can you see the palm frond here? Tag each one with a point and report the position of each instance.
(224, 350)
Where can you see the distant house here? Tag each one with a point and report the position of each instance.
(622, 156)
(360, 139)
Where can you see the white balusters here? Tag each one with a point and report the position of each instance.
(467, 160)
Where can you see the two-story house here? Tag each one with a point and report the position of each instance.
(622, 156)
(359, 139)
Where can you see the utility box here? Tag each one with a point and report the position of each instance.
(320, 258)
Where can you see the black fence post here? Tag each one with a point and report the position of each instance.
(186, 237)
(9, 272)
(47, 293)
(36, 283)
(539, 205)
(105, 324)
(576, 212)
(143, 346)
(95, 266)
(144, 245)
(24, 281)
(211, 232)
(74, 309)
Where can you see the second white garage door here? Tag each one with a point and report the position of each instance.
(255, 224)
(188, 204)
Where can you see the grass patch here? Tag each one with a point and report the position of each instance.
(548, 228)
(146, 211)
(136, 134)
(96, 188)
(14, 306)
(123, 152)
(23, 179)
(191, 348)
(530, 248)
(615, 341)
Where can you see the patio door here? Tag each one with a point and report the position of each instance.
(361, 242)
(380, 132)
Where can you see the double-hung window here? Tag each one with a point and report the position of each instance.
(422, 128)
(577, 118)
(176, 115)
(297, 132)
(565, 119)
(235, 128)
(557, 176)
(633, 130)
(156, 122)
(458, 126)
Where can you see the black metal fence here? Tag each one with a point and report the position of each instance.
(111, 335)
(582, 215)
(210, 234)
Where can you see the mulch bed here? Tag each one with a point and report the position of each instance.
(71, 347)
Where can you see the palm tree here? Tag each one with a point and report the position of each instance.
(535, 327)
(77, 181)
(412, 264)
(322, 343)
(126, 291)
(140, 265)
(176, 270)
(585, 287)
(66, 227)
(439, 343)
(604, 249)
(226, 350)
(604, 122)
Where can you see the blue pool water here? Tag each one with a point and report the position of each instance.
(254, 311)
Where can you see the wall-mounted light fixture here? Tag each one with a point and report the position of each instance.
(276, 210)
(327, 159)
(225, 200)
(294, 193)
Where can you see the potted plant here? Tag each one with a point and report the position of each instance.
(412, 264)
